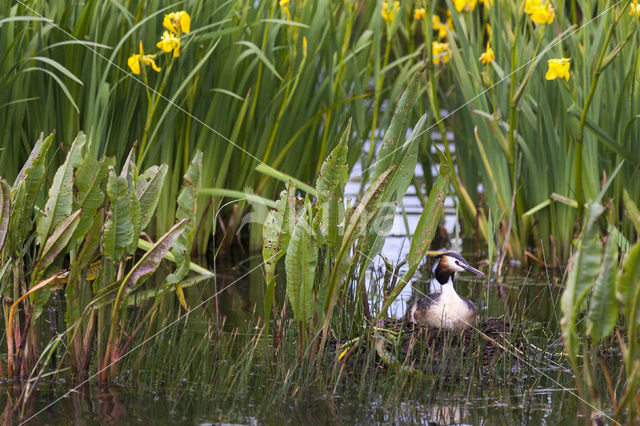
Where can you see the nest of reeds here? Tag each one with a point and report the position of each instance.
(491, 342)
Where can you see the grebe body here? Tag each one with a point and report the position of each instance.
(446, 309)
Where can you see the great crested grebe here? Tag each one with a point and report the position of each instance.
(445, 309)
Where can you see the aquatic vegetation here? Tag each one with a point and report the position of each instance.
(253, 85)
(541, 150)
(611, 286)
(83, 239)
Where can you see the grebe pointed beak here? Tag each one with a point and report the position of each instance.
(470, 268)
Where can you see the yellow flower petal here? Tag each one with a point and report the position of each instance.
(177, 22)
(134, 63)
(167, 22)
(442, 31)
(419, 13)
(441, 52)
(459, 5)
(543, 14)
(389, 10)
(148, 60)
(169, 43)
(531, 5)
(488, 56)
(558, 68)
(185, 22)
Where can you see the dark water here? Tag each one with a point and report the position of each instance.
(546, 396)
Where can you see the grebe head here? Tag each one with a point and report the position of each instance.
(450, 263)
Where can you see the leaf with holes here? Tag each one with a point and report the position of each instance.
(148, 191)
(60, 201)
(187, 209)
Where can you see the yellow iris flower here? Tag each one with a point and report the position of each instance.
(177, 22)
(487, 3)
(136, 59)
(634, 9)
(284, 4)
(488, 56)
(419, 13)
(543, 14)
(540, 13)
(466, 5)
(558, 68)
(389, 10)
(441, 52)
(168, 43)
(531, 5)
(439, 26)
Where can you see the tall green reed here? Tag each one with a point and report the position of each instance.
(540, 148)
(254, 83)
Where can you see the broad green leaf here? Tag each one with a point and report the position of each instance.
(130, 173)
(355, 228)
(60, 201)
(276, 234)
(79, 267)
(300, 266)
(5, 211)
(404, 163)
(147, 264)
(118, 229)
(25, 189)
(603, 313)
(89, 179)
(580, 280)
(187, 209)
(53, 247)
(151, 259)
(330, 186)
(146, 245)
(425, 231)
(397, 129)
(430, 217)
(148, 191)
(58, 240)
